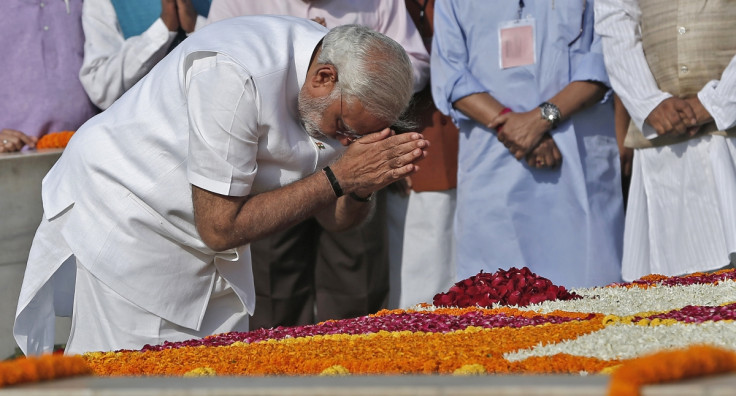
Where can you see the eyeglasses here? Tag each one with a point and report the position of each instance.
(352, 136)
(349, 133)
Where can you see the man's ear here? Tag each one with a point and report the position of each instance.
(324, 77)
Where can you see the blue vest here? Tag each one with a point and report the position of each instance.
(135, 16)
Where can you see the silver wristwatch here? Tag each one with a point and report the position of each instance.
(551, 113)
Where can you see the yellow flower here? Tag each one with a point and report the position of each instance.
(610, 370)
(610, 320)
(335, 370)
(470, 369)
(201, 372)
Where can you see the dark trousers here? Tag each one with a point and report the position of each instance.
(305, 274)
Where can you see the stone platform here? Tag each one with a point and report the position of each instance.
(20, 214)
(551, 385)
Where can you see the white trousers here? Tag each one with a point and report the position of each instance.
(103, 320)
(427, 264)
(681, 216)
(56, 284)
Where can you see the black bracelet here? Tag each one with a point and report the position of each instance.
(333, 181)
(361, 199)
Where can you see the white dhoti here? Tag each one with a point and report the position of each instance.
(681, 216)
(102, 320)
(427, 264)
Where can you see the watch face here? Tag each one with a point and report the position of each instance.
(550, 112)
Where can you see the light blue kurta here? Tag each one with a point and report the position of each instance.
(565, 224)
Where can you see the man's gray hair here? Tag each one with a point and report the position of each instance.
(372, 68)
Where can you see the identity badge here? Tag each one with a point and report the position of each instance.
(517, 46)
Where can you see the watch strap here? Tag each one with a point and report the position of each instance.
(361, 199)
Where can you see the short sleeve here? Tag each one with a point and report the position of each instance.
(223, 126)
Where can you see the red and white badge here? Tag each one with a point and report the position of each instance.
(517, 45)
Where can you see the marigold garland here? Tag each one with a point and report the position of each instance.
(384, 352)
(43, 368)
(561, 339)
(54, 140)
(670, 365)
(655, 280)
(441, 321)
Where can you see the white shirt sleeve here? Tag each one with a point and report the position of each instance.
(222, 105)
(111, 63)
(617, 22)
(719, 97)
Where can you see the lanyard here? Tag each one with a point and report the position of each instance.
(422, 7)
(582, 20)
(521, 7)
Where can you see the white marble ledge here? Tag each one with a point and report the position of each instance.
(509, 385)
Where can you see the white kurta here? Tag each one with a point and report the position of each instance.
(681, 215)
(428, 254)
(112, 64)
(123, 185)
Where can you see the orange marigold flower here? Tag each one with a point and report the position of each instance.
(54, 140)
(382, 353)
(670, 365)
(47, 367)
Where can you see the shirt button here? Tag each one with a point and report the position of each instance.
(681, 30)
(684, 69)
(45, 28)
(42, 5)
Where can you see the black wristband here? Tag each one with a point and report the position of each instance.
(361, 199)
(333, 181)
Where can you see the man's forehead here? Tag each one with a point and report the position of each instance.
(361, 120)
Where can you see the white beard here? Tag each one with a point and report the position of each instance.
(311, 110)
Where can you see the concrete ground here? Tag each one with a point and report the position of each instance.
(552, 385)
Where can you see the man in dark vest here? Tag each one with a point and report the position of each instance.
(673, 65)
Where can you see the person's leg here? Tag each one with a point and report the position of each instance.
(351, 275)
(396, 207)
(283, 273)
(47, 290)
(103, 320)
(225, 313)
(428, 260)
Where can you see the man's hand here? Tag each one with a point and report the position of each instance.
(187, 15)
(368, 165)
(379, 159)
(545, 155)
(170, 15)
(12, 140)
(521, 132)
(702, 116)
(673, 116)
